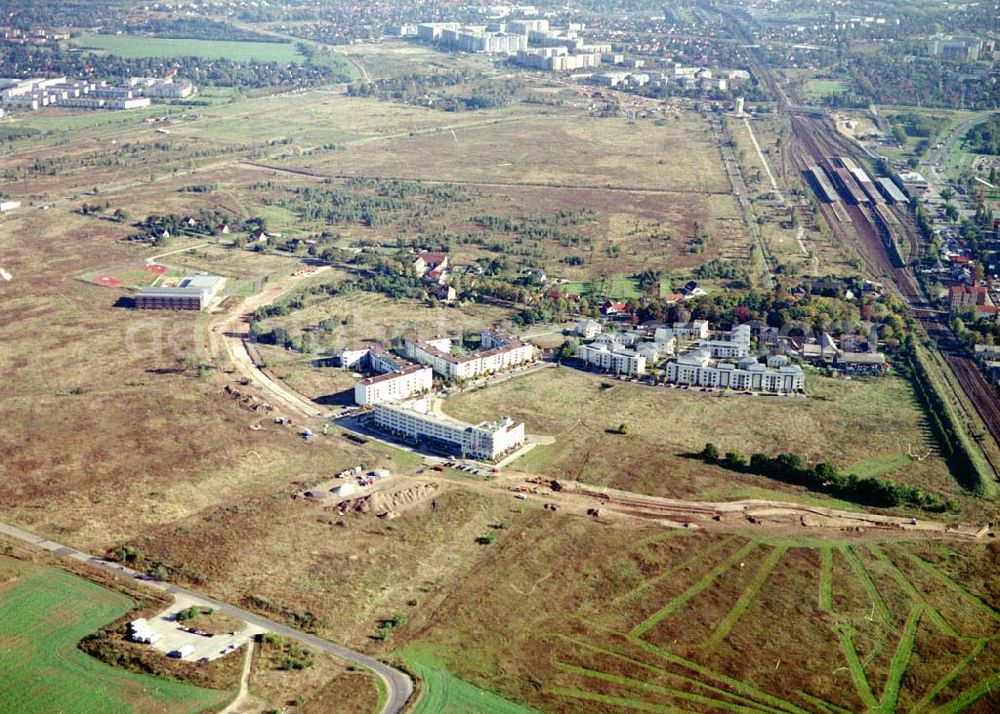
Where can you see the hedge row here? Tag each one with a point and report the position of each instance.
(826, 478)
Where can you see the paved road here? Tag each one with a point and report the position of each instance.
(399, 686)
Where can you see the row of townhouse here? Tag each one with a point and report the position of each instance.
(698, 369)
(413, 422)
(499, 352)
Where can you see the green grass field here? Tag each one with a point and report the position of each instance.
(42, 617)
(817, 88)
(444, 693)
(621, 287)
(128, 46)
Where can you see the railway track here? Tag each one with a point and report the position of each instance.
(973, 383)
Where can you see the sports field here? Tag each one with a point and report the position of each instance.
(42, 616)
(818, 88)
(134, 277)
(130, 46)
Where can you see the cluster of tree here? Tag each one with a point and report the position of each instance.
(539, 228)
(781, 307)
(398, 188)
(12, 132)
(377, 203)
(200, 188)
(962, 455)
(827, 478)
(29, 15)
(719, 269)
(32, 60)
(985, 138)
(893, 76)
(157, 228)
(200, 28)
(427, 90)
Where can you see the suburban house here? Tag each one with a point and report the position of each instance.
(611, 308)
(444, 293)
(431, 265)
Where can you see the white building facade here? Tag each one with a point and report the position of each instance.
(412, 421)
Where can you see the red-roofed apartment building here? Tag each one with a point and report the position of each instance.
(975, 296)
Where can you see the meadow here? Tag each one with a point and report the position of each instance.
(818, 88)
(237, 51)
(42, 616)
(841, 421)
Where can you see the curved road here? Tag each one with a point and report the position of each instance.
(398, 685)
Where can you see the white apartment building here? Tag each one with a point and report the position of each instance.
(666, 340)
(736, 345)
(500, 352)
(394, 386)
(413, 422)
(697, 368)
(397, 378)
(588, 329)
(613, 358)
(695, 330)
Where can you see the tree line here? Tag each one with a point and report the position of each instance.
(827, 478)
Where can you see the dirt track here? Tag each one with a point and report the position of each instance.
(227, 337)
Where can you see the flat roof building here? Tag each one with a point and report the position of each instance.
(194, 293)
(414, 422)
(500, 351)
(698, 369)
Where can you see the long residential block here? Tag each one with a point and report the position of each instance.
(698, 369)
(500, 352)
(413, 422)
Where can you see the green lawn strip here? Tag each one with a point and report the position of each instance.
(639, 685)
(733, 616)
(867, 582)
(879, 465)
(900, 661)
(743, 687)
(383, 693)
(826, 580)
(615, 701)
(682, 599)
(700, 555)
(913, 593)
(928, 567)
(42, 619)
(970, 695)
(822, 705)
(659, 671)
(947, 680)
(844, 634)
(444, 693)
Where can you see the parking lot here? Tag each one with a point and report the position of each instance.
(205, 647)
